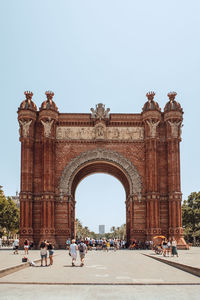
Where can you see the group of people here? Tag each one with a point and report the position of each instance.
(74, 248)
(140, 245)
(169, 247)
(101, 244)
(27, 245)
(166, 247)
(46, 246)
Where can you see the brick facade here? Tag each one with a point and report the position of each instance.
(59, 149)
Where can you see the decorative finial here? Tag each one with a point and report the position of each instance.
(49, 95)
(150, 96)
(28, 95)
(172, 96)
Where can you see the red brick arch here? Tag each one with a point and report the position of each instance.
(100, 161)
(59, 149)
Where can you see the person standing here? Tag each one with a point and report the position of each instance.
(73, 251)
(82, 251)
(50, 249)
(26, 246)
(68, 243)
(43, 253)
(164, 246)
(174, 247)
(168, 247)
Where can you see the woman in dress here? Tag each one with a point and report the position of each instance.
(73, 252)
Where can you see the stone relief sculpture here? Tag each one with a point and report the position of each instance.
(47, 127)
(152, 127)
(25, 127)
(174, 128)
(100, 113)
(100, 131)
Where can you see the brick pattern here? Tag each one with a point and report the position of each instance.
(45, 213)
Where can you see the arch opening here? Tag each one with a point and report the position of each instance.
(100, 200)
(100, 161)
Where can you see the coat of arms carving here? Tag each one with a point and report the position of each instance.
(100, 113)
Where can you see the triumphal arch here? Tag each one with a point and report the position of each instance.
(141, 150)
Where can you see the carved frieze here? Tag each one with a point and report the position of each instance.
(66, 180)
(100, 132)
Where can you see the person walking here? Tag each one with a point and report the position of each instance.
(82, 251)
(26, 246)
(16, 246)
(73, 251)
(174, 247)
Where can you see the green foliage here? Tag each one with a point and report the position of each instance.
(119, 232)
(9, 215)
(116, 232)
(191, 218)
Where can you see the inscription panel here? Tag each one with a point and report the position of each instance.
(93, 133)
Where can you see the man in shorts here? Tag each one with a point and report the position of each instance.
(16, 246)
(82, 251)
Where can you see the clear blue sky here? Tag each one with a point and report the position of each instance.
(99, 51)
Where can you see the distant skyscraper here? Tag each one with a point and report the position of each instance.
(101, 229)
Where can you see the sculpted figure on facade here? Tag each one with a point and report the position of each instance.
(100, 113)
(174, 128)
(152, 126)
(100, 132)
(25, 127)
(47, 127)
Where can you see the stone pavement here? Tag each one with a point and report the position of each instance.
(8, 259)
(123, 274)
(187, 257)
(121, 267)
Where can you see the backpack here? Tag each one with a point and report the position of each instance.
(81, 247)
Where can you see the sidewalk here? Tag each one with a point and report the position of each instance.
(121, 267)
(186, 257)
(8, 259)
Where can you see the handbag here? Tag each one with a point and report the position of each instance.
(24, 259)
(69, 254)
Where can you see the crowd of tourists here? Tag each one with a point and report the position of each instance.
(101, 244)
(166, 247)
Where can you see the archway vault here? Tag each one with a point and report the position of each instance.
(100, 161)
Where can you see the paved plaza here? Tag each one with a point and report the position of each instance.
(123, 274)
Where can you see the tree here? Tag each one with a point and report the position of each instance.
(191, 217)
(119, 232)
(9, 215)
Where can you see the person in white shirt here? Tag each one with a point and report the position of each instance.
(73, 252)
(16, 246)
